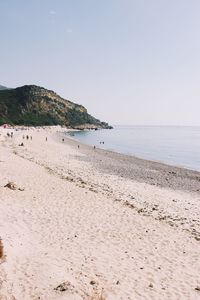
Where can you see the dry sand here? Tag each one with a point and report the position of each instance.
(80, 223)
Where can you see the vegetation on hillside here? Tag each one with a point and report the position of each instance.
(36, 106)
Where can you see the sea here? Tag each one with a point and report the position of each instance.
(173, 145)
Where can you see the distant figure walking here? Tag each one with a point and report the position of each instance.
(46, 139)
(31, 137)
(94, 147)
(27, 137)
(63, 140)
(78, 146)
(23, 137)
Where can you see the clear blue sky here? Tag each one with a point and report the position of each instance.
(127, 61)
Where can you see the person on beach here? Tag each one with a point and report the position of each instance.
(46, 139)
(94, 147)
(78, 146)
(27, 137)
(63, 140)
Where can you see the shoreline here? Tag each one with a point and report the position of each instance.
(135, 156)
(149, 165)
(83, 223)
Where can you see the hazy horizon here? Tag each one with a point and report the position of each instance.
(128, 62)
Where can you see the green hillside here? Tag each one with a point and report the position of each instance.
(35, 106)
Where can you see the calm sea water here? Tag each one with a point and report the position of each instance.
(178, 146)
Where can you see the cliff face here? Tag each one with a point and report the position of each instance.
(36, 106)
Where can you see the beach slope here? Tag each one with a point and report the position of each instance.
(76, 223)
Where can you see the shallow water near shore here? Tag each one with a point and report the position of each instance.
(174, 145)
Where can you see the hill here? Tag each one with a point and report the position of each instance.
(3, 87)
(32, 105)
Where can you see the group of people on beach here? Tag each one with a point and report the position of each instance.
(27, 137)
(10, 134)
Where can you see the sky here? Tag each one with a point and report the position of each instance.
(127, 61)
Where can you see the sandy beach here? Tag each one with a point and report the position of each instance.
(84, 223)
